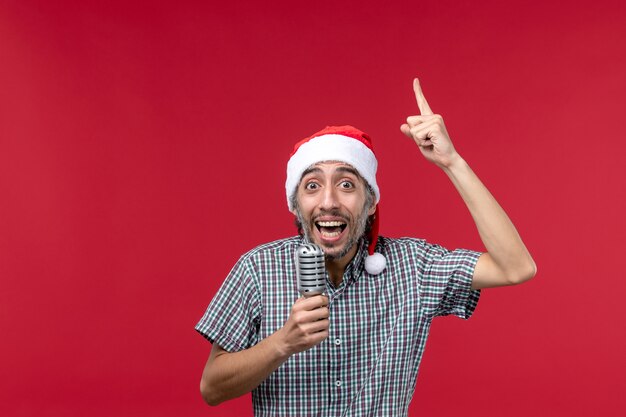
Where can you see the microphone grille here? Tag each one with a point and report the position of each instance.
(310, 270)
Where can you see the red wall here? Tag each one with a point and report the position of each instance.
(143, 149)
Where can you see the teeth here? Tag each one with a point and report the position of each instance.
(327, 234)
(330, 224)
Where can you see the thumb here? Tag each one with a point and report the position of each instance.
(406, 130)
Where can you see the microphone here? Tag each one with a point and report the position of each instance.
(310, 270)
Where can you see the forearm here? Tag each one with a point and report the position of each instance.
(502, 241)
(230, 375)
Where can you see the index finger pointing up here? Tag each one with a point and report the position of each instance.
(421, 100)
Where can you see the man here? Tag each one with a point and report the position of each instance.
(355, 350)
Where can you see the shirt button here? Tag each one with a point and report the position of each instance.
(338, 383)
(337, 341)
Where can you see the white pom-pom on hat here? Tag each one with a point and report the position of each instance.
(375, 264)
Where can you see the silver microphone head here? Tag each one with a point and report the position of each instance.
(310, 270)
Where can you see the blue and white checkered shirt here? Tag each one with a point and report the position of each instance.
(369, 363)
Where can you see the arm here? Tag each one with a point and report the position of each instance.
(507, 261)
(229, 375)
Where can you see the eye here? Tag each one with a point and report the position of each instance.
(346, 185)
(311, 186)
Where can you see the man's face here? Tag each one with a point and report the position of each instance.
(333, 207)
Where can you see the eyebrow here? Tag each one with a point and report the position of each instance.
(310, 170)
(349, 170)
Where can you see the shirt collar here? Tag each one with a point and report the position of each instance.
(354, 269)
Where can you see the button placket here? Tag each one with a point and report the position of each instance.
(336, 340)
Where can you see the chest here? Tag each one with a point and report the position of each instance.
(369, 317)
(376, 334)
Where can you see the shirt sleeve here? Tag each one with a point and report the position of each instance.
(232, 319)
(446, 283)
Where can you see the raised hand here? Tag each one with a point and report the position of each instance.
(429, 132)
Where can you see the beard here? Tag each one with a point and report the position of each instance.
(357, 228)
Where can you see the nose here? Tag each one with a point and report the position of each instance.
(329, 199)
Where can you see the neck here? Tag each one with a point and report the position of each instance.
(336, 267)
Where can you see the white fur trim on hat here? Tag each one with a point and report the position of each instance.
(331, 147)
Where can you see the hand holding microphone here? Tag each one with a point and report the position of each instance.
(308, 322)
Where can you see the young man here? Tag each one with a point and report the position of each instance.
(355, 350)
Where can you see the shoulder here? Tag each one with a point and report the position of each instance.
(424, 254)
(406, 244)
(264, 258)
(408, 248)
(280, 245)
(276, 249)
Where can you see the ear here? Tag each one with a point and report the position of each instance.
(293, 201)
(372, 209)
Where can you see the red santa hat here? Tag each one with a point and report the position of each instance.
(344, 144)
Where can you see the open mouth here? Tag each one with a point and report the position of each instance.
(330, 229)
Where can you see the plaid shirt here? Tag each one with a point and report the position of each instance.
(369, 363)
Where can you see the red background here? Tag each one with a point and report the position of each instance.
(143, 148)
